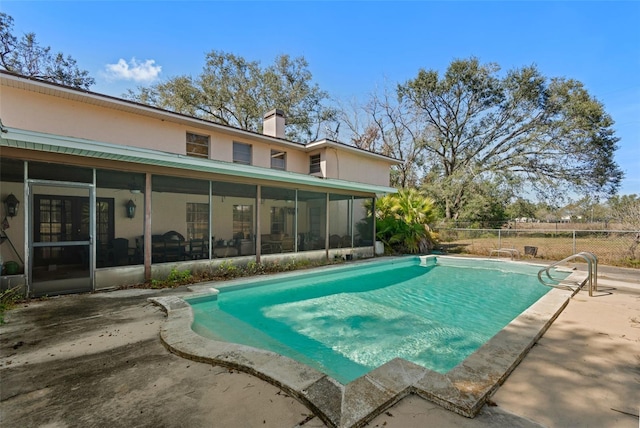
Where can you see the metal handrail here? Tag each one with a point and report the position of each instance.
(592, 277)
(511, 251)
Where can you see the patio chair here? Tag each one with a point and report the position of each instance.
(334, 241)
(266, 246)
(198, 249)
(118, 252)
(173, 250)
(287, 244)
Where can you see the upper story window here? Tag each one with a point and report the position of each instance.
(278, 160)
(314, 164)
(197, 145)
(242, 153)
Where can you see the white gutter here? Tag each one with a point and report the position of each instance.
(341, 146)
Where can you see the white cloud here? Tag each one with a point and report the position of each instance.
(146, 71)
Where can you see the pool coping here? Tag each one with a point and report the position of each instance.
(463, 390)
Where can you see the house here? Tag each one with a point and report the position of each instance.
(112, 192)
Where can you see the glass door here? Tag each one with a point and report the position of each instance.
(60, 237)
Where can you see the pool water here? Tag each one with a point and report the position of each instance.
(350, 320)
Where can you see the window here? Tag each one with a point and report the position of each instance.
(242, 220)
(278, 160)
(66, 218)
(277, 220)
(104, 219)
(197, 145)
(197, 220)
(315, 221)
(314, 164)
(242, 153)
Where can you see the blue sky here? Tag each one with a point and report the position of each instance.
(352, 47)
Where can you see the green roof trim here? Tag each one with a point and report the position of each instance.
(30, 140)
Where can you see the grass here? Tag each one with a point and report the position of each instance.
(611, 250)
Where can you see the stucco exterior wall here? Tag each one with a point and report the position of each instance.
(67, 117)
(53, 115)
(346, 165)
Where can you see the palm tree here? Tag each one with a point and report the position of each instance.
(402, 221)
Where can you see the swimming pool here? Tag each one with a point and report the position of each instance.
(347, 321)
(463, 389)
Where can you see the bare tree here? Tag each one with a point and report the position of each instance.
(626, 210)
(385, 126)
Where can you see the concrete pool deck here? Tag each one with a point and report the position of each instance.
(96, 360)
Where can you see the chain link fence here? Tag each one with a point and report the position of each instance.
(612, 247)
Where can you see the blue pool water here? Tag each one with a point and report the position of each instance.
(349, 320)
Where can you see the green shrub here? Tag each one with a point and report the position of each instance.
(227, 270)
(179, 276)
(175, 278)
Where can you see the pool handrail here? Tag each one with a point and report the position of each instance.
(592, 274)
(514, 253)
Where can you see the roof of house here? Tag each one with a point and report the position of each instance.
(94, 98)
(32, 140)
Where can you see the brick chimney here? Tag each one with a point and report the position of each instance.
(273, 124)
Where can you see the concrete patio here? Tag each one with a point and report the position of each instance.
(97, 360)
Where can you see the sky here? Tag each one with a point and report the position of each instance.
(355, 47)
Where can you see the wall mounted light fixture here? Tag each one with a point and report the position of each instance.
(131, 209)
(11, 204)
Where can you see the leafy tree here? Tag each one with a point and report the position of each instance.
(474, 125)
(26, 57)
(521, 127)
(589, 209)
(402, 221)
(521, 208)
(236, 92)
(482, 204)
(485, 204)
(547, 212)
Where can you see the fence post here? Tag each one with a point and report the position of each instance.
(499, 238)
(574, 242)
